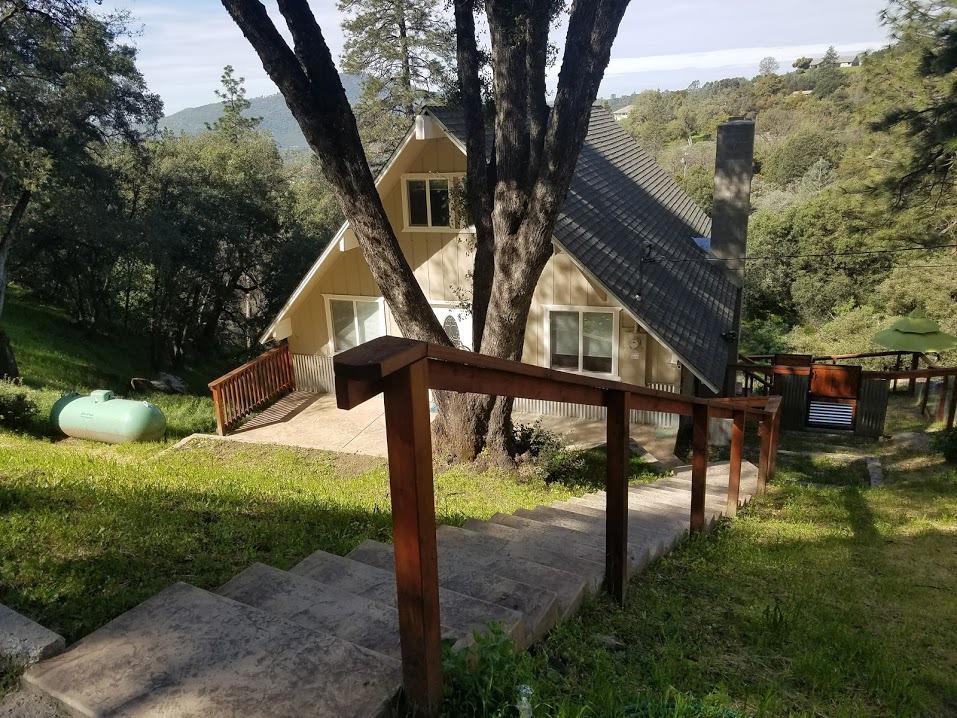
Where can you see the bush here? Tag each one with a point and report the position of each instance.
(17, 409)
(946, 443)
(484, 680)
(540, 453)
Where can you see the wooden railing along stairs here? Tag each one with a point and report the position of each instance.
(404, 371)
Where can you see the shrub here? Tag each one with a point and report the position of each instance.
(484, 679)
(946, 443)
(17, 409)
(542, 454)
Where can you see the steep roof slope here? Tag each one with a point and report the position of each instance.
(628, 224)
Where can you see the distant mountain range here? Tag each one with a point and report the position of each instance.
(276, 117)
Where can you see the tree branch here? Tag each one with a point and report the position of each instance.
(310, 84)
(478, 194)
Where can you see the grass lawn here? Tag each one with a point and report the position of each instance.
(825, 598)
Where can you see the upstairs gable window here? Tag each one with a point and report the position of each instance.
(429, 203)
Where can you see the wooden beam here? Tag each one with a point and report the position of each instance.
(734, 468)
(408, 434)
(378, 358)
(764, 462)
(914, 365)
(775, 438)
(924, 396)
(456, 377)
(219, 410)
(952, 408)
(699, 466)
(942, 402)
(616, 495)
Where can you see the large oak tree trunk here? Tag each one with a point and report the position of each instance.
(8, 363)
(514, 196)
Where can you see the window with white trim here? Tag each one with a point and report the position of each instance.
(354, 321)
(429, 201)
(583, 340)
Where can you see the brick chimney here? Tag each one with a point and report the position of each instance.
(733, 169)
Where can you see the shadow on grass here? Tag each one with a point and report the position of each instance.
(104, 552)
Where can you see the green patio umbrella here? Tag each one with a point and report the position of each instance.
(915, 333)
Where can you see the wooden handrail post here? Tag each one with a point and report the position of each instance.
(912, 382)
(616, 494)
(942, 403)
(764, 463)
(952, 407)
(775, 437)
(409, 439)
(734, 466)
(219, 411)
(924, 395)
(699, 465)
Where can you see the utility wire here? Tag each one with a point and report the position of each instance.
(803, 256)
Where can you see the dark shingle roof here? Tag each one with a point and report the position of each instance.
(623, 205)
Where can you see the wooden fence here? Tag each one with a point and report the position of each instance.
(404, 370)
(795, 383)
(251, 387)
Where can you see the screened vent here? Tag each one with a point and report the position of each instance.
(826, 413)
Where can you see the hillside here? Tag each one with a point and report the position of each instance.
(276, 117)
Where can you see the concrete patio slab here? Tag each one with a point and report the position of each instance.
(313, 421)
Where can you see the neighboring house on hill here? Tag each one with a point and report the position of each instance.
(627, 294)
(842, 61)
(622, 112)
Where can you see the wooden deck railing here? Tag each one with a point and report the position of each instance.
(252, 386)
(404, 370)
(946, 411)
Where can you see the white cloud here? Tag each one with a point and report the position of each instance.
(736, 56)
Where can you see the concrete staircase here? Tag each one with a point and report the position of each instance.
(322, 638)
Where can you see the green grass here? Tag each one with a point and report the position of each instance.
(818, 600)
(88, 530)
(56, 356)
(825, 598)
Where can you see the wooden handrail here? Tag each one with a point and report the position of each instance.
(404, 370)
(251, 387)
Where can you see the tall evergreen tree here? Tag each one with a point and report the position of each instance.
(67, 82)
(405, 51)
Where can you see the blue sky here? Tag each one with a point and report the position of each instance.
(184, 44)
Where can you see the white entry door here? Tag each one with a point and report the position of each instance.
(457, 323)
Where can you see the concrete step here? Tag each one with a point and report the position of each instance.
(23, 642)
(538, 607)
(591, 572)
(320, 607)
(585, 518)
(460, 545)
(190, 653)
(648, 512)
(569, 543)
(650, 542)
(463, 614)
(660, 500)
(644, 535)
(678, 487)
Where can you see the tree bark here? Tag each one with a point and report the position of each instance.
(8, 362)
(479, 169)
(6, 240)
(514, 200)
(311, 86)
(406, 60)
